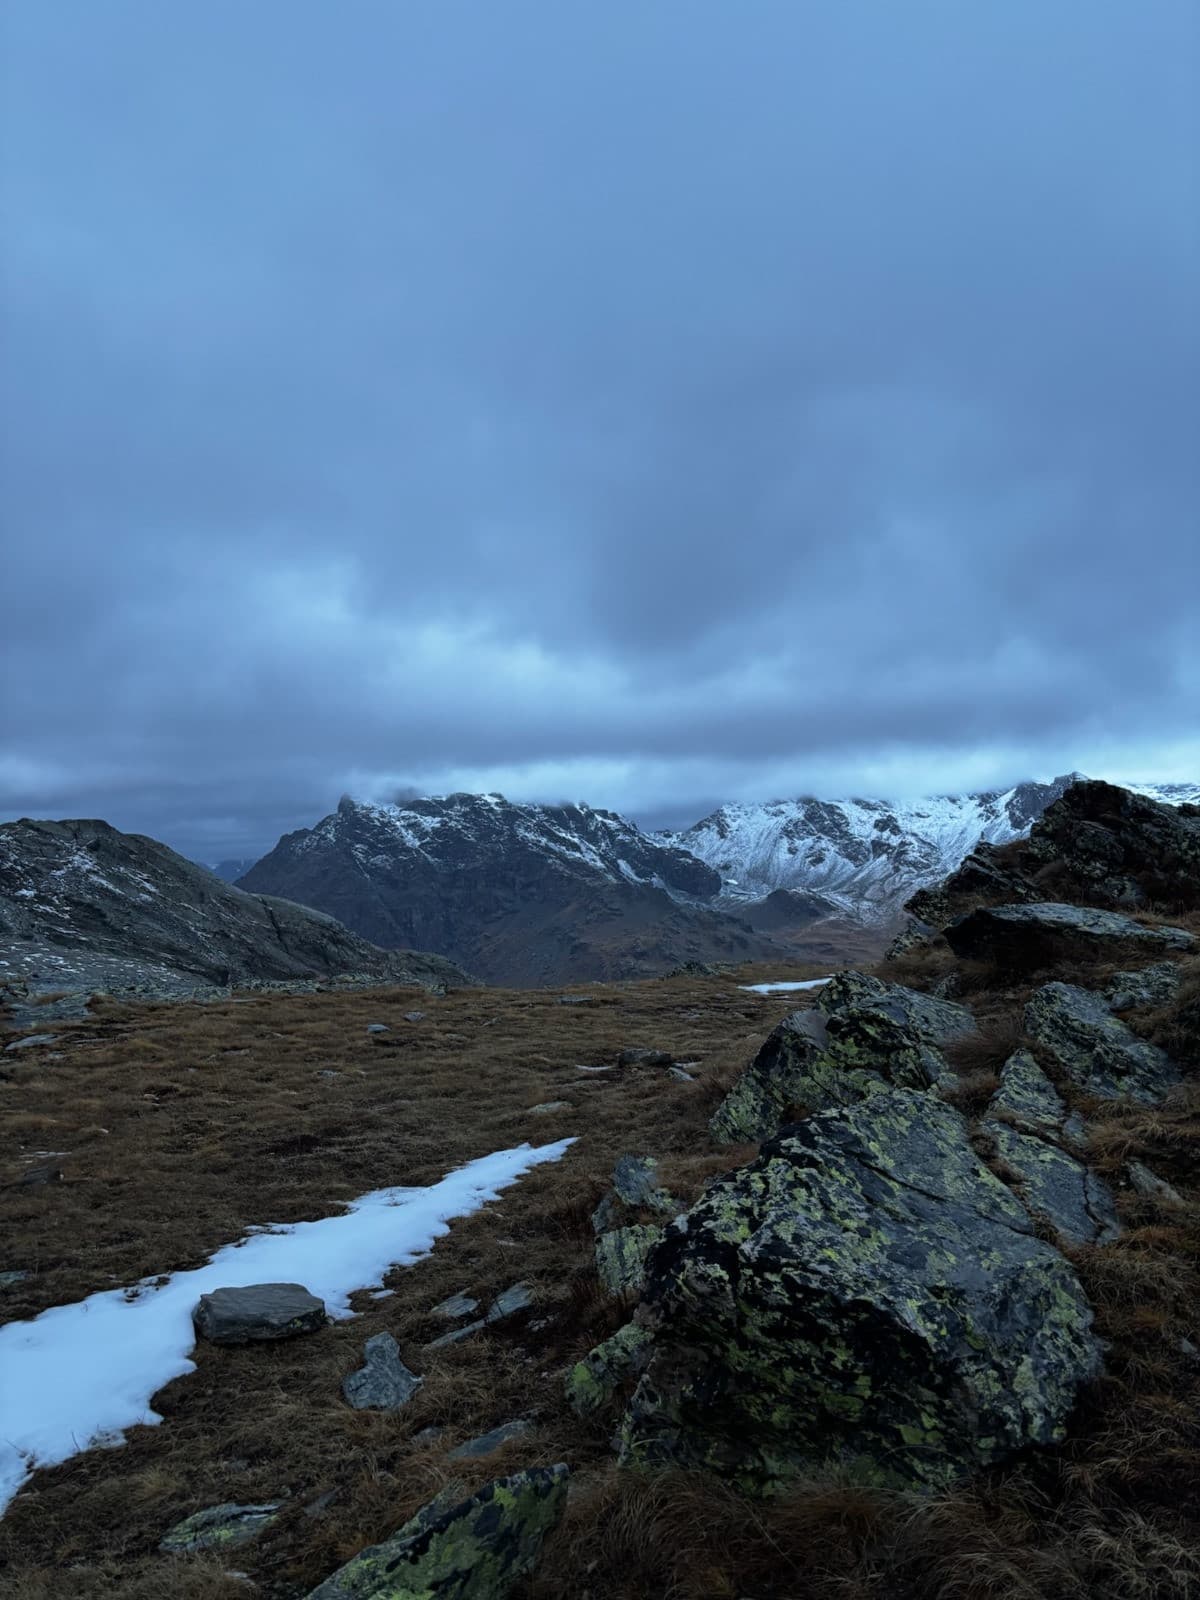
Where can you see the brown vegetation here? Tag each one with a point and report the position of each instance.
(179, 1126)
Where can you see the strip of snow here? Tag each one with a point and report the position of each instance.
(80, 1374)
(782, 988)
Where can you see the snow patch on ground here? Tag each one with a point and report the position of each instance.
(80, 1374)
(783, 988)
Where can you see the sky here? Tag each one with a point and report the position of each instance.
(654, 405)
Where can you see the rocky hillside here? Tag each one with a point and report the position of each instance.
(83, 906)
(519, 894)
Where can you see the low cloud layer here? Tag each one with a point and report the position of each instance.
(652, 405)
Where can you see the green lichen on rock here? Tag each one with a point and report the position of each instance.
(218, 1528)
(592, 1382)
(793, 1068)
(865, 1294)
(473, 1551)
(1156, 985)
(1055, 1186)
(937, 1021)
(879, 1038)
(621, 1257)
(1026, 1097)
(1094, 1049)
(635, 1189)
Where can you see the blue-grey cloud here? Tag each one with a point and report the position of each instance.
(654, 404)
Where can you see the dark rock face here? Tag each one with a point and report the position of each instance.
(937, 1021)
(518, 894)
(866, 1293)
(1096, 844)
(1055, 1186)
(1038, 934)
(82, 895)
(1095, 1050)
(258, 1311)
(475, 1550)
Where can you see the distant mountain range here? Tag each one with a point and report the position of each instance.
(530, 894)
(523, 894)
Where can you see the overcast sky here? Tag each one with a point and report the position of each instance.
(652, 404)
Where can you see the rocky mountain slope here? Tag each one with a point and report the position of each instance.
(85, 906)
(520, 894)
(863, 858)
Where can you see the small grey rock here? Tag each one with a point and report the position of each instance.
(39, 1177)
(455, 1306)
(378, 1027)
(547, 1108)
(258, 1311)
(506, 1304)
(414, 1016)
(634, 1056)
(12, 1277)
(680, 1075)
(31, 1040)
(218, 1527)
(487, 1442)
(384, 1383)
(1150, 1185)
(427, 1436)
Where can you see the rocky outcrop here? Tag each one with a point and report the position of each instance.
(865, 1294)
(1054, 1186)
(475, 1550)
(1097, 845)
(83, 906)
(1095, 1050)
(864, 1035)
(1155, 985)
(1043, 932)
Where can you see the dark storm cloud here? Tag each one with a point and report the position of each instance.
(644, 403)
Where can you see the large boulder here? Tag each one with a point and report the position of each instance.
(866, 1294)
(937, 1021)
(475, 1550)
(793, 1071)
(1040, 934)
(258, 1311)
(1124, 848)
(1095, 1050)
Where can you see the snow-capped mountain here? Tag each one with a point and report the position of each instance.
(866, 856)
(517, 893)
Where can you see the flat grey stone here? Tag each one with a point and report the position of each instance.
(509, 1301)
(378, 1027)
(680, 1075)
(414, 1016)
(1056, 1186)
(548, 1107)
(31, 1040)
(218, 1527)
(1148, 1184)
(384, 1383)
(635, 1056)
(455, 1306)
(1096, 1051)
(487, 1442)
(258, 1311)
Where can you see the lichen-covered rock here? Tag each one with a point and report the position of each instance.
(913, 936)
(866, 1293)
(592, 1382)
(473, 1551)
(1037, 935)
(1094, 1049)
(937, 1021)
(1156, 985)
(383, 1382)
(488, 1443)
(793, 1068)
(218, 1528)
(635, 1189)
(1122, 847)
(1055, 1186)
(256, 1311)
(1026, 1097)
(1149, 1185)
(879, 1038)
(621, 1257)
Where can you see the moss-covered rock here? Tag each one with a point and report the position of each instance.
(866, 1293)
(937, 1021)
(1155, 985)
(1094, 1049)
(592, 1382)
(475, 1550)
(1055, 1186)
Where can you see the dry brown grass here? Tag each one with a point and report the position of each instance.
(185, 1124)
